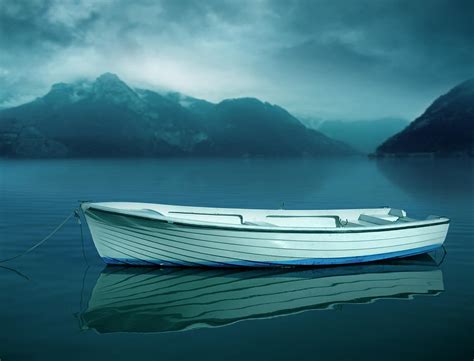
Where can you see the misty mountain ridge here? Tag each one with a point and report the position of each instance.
(364, 135)
(108, 118)
(445, 128)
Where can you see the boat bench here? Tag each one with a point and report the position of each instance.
(377, 219)
(406, 219)
(257, 223)
(324, 221)
(211, 217)
(368, 219)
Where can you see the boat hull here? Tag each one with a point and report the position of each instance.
(126, 239)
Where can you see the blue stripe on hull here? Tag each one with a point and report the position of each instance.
(300, 262)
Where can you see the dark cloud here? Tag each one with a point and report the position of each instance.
(420, 40)
(333, 58)
(29, 25)
(332, 55)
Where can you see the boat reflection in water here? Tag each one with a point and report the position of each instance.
(162, 300)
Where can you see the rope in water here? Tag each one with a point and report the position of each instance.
(36, 245)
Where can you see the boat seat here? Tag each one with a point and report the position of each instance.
(324, 221)
(397, 212)
(228, 218)
(378, 220)
(263, 224)
(406, 219)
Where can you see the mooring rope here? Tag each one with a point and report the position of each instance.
(16, 271)
(36, 245)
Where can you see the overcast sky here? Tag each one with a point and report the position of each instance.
(349, 59)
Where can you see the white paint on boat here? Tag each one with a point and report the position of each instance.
(166, 235)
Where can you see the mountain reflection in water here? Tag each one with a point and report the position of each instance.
(432, 180)
(162, 300)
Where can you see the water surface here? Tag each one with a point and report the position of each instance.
(57, 304)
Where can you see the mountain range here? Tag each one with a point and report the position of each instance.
(108, 118)
(445, 128)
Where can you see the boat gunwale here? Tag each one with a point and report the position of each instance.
(268, 229)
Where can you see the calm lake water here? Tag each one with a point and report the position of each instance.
(61, 303)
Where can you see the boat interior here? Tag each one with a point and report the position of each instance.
(368, 217)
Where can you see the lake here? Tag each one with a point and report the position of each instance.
(60, 302)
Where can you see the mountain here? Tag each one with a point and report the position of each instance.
(107, 118)
(446, 127)
(363, 135)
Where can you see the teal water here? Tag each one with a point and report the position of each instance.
(53, 306)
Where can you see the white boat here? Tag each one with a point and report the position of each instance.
(167, 235)
(143, 299)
